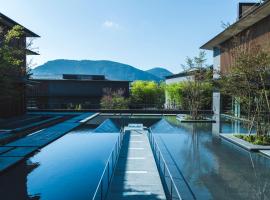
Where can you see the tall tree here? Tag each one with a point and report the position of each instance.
(12, 62)
(198, 81)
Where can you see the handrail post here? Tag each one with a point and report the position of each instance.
(171, 189)
(101, 188)
(108, 174)
(159, 159)
(113, 159)
(164, 170)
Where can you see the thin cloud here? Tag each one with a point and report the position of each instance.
(110, 24)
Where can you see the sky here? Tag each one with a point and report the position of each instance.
(142, 33)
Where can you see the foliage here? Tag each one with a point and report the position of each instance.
(175, 94)
(255, 139)
(147, 94)
(248, 82)
(178, 95)
(198, 86)
(113, 99)
(12, 58)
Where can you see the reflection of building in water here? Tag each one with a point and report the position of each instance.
(13, 183)
(216, 128)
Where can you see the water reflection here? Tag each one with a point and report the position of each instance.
(68, 169)
(213, 168)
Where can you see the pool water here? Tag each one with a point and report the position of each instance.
(212, 168)
(67, 169)
(203, 166)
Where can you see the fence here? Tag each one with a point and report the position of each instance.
(171, 190)
(107, 175)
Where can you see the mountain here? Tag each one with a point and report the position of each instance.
(159, 72)
(111, 70)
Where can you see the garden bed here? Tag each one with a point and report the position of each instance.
(237, 139)
(255, 139)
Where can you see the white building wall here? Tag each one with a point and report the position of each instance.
(216, 94)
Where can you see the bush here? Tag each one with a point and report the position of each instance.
(147, 94)
(113, 100)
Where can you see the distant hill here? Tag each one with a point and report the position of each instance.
(159, 72)
(111, 70)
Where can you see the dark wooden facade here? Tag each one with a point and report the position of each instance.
(15, 104)
(258, 34)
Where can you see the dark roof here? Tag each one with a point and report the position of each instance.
(181, 74)
(78, 80)
(10, 23)
(30, 52)
(259, 13)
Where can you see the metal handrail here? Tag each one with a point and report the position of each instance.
(112, 160)
(158, 158)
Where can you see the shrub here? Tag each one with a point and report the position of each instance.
(113, 100)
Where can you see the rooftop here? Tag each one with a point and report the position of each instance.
(254, 16)
(10, 23)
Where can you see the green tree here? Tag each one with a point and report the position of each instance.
(12, 64)
(175, 94)
(198, 84)
(148, 94)
(248, 82)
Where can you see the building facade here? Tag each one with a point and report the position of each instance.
(10, 107)
(251, 29)
(71, 92)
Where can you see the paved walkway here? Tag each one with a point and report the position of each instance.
(18, 150)
(136, 175)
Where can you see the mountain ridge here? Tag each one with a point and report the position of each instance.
(111, 69)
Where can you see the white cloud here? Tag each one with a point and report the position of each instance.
(110, 24)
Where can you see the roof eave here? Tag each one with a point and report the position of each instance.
(31, 53)
(258, 14)
(9, 22)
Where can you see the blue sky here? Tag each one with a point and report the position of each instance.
(142, 33)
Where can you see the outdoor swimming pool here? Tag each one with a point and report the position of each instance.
(212, 168)
(68, 168)
(203, 166)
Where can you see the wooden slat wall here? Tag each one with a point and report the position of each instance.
(258, 34)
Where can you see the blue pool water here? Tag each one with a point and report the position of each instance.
(67, 169)
(212, 168)
(203, 166)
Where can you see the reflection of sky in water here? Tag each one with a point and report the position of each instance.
(213, 168)
(68, 168)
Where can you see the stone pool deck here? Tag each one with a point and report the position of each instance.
(136, 175)
(18, 150)
(265, 152)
